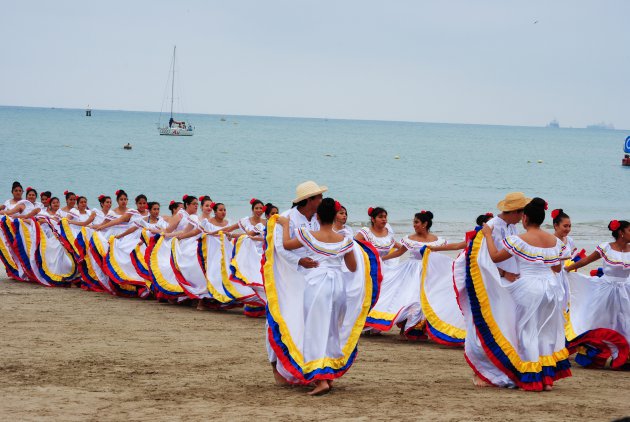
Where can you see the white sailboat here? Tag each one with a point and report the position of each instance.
(174, 127)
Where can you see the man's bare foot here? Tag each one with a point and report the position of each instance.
(321, 389)
(478, 382)
(548, 388)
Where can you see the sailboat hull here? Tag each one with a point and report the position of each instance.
(175, 131)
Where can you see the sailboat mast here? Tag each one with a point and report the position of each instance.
(173, 82)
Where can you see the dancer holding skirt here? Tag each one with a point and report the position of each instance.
(315, 316)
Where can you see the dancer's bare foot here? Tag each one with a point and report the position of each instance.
(279, 378)
(547, 388)
(478, 382)
(321, 388)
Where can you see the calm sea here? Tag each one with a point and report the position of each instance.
(456, 171)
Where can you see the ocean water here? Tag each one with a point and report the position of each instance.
(456, 171)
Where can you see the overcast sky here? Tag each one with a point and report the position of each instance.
(490, 62)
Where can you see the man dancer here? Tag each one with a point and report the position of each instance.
(308, 196)
(503, 225)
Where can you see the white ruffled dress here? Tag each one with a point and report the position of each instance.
(598, 326)
(514, 331)
(315, 316)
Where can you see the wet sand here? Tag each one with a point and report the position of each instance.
(72, 355)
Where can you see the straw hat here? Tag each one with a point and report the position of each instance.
(308, 189)
(513, 201)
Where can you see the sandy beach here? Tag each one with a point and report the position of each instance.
(72, 355)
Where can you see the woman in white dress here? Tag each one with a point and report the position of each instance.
(246, 255)
(562, 228)
(341, 218)
(599, 315)
(122, 244)
(115, 256)
(421, 292)
(515, 330)
(316, 315)
(381, 235)
(7, 236)
(56, 264)
(149, 226)
(24, 231)
(93, 271)
(215, 253)
(188, 272)
(163, 276)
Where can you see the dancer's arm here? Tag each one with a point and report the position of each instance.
(190, 233)
(13, 210)
(31, 214)
(448, 247)
(83, 223)
(122, 219)
(288, 243)
(495, 254)
(351, 261)
(398, 252)
(127, 232)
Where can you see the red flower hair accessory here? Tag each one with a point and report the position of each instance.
(337, 206)
(546, 205)
(213, 204)
(614, 225)
(29, 188)
(172, 202)
(370, 210)
(423, 212)
(264, 208)
(555, 213)
(65, 192)
(251, 201)
(101, 196)
(185, 197)
(489, 214)
(117, 192)
(201, 198)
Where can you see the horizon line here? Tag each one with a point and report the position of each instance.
(310, 117)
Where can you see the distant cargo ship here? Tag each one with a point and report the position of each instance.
(601, 126)
(554, 123)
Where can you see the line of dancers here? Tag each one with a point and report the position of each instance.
(515, 302)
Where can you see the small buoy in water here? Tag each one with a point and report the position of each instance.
(539, 161)
(396, 157)
(128, 146)
(328, 155)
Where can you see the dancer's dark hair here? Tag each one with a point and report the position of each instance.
(617, 226)
(15, 185)
(327, 211)
(484, 218)
(558, 215)
(535, 211)
(268, 208)
(375, 212)
(188, 199)
(425, 217)
(120, 193)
